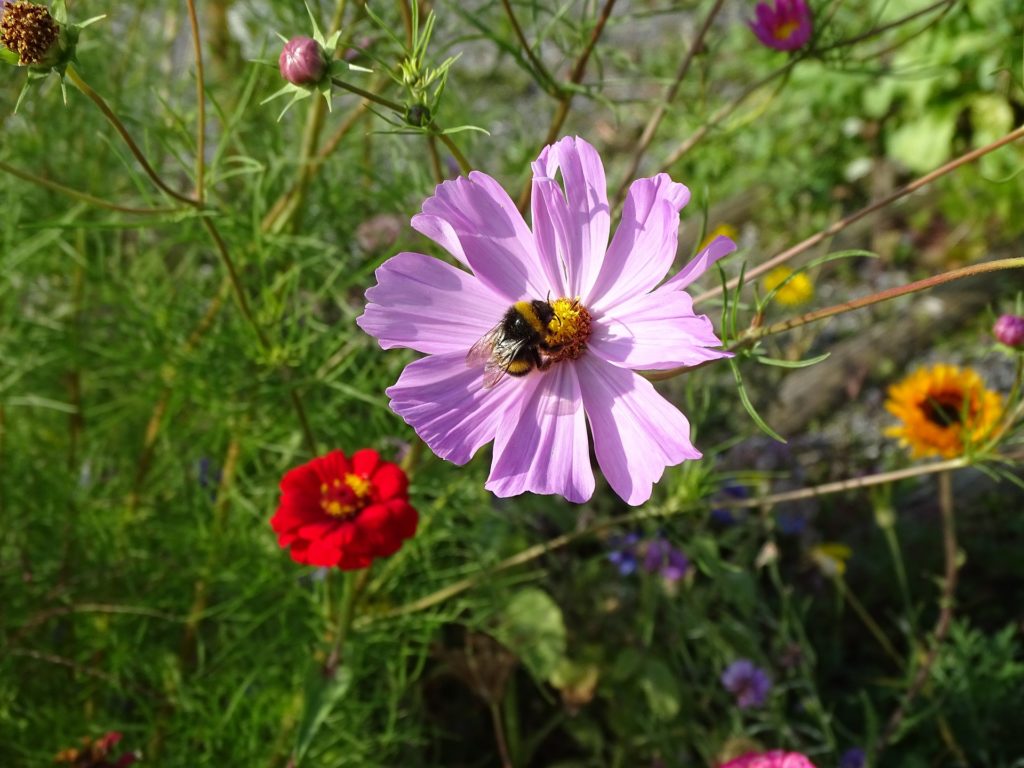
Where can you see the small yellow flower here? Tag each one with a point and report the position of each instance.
(722, 230)
(941, 409)
(797, 291)
(831, 557)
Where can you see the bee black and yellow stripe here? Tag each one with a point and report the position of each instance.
(530, 312)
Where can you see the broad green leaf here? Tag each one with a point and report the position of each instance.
(533, 628)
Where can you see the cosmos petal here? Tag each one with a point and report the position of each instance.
(572, 226)
(427, 305)
(446, 403)
(644, 245)
(637, 432)
(715, 250)
(476, 221)
(655, 331)
(542, 447)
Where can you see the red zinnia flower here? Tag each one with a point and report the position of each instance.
(340, 512)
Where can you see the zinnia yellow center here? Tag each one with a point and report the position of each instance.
(568, 330)
(344, 497)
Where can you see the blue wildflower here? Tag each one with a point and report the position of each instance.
(747, 682)
(624, 554)
(853, 758)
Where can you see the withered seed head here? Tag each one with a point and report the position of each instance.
(29, 30)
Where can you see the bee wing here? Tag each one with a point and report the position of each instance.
(480, 353)
(495, 354)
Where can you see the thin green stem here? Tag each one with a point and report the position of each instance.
(99, 101)
(83, 196)
(374, 97)
(729, 107)
(875, 298)
(538, 66)
(540, 550)
(670, 94)
(284, 209)
(565, 100)
(751, 335)
(243, 305)
(868, 620)
(353, 584)
(236, 282)
(843, 223)
(285, 206)
(945, 620)
(435, 159)
(893, 544)
(460, 158)
(723, 112)
(200, 104)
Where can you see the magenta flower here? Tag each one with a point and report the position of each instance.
(774, 759)
(1009, 330)
(590, 311)
(786, 26)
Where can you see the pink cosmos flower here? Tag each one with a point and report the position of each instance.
(786, 26)
(605, 316)
(774, 759)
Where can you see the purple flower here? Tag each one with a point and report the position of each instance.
(606, 317)
(302, 61)
(726, 516)
(747, 682)
(852, 758)
(1009, 330)
(624, 553)
(786, 26)
(662, 558)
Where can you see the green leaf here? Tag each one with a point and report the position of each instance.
(322, 694)
(745, 399)
(533, 628)
(660, 688)
(793, 363)
(925, 143)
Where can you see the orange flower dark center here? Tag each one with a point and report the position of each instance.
(944, 408)
(29, 30)
(346, 496)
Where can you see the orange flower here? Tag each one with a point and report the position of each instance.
(942, 409)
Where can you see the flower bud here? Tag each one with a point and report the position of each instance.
(303, 61)
(418, 115)
(1009, 330)
(31, 32)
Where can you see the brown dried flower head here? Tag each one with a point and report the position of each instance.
(29, 30)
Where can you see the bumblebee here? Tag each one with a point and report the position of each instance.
(516, 345)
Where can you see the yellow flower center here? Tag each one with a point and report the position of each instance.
(785, 30)
(568, 330)
(345, 497)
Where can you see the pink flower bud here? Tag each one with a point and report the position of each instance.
(1009, 330)
(303, 61)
